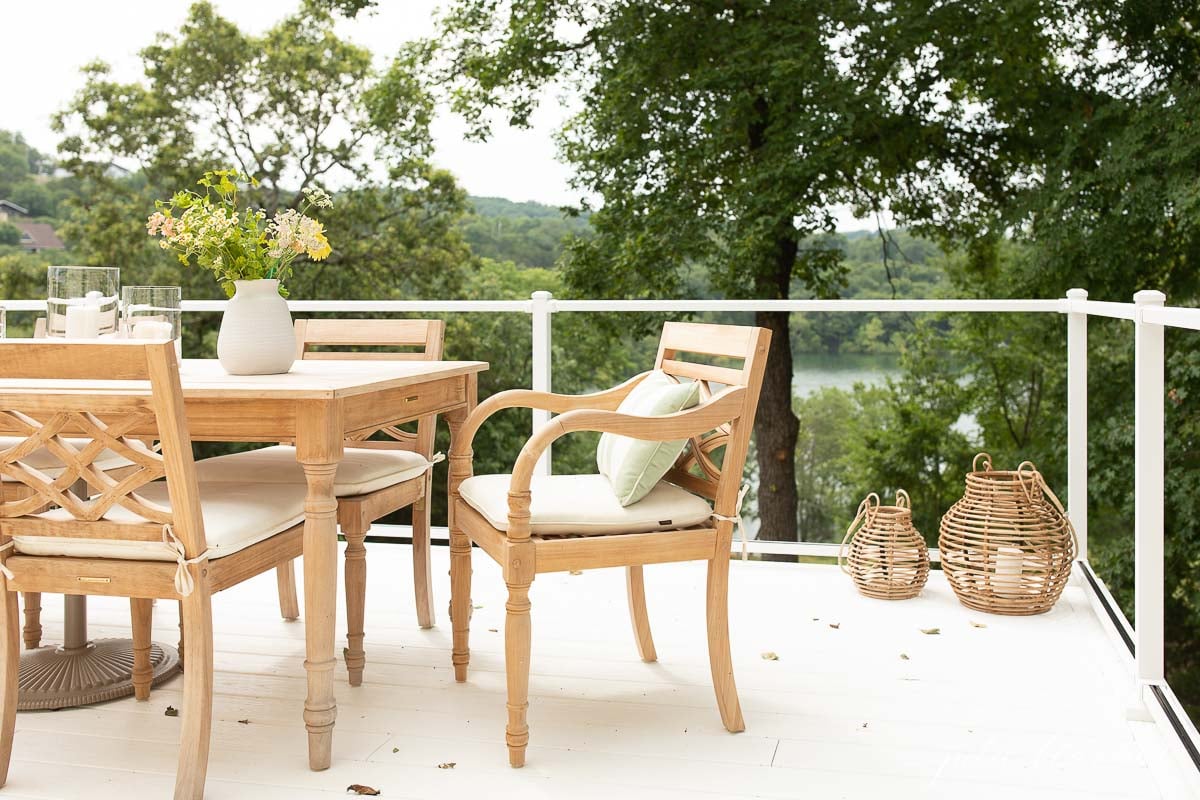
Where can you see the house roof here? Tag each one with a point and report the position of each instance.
(39, 236)
(11, 206)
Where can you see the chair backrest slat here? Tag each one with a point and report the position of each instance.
(424, 336)
(144, 403)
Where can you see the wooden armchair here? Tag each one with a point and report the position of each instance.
(139, 536)
(375, 478)
(531, 525)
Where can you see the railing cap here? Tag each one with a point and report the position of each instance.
(1149, 297)
(1077, 294)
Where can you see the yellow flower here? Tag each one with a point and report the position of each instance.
(322, 250)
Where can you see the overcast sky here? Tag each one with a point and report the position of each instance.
(47, 41)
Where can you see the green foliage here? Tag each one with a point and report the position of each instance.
(531, 234)
(9, 234)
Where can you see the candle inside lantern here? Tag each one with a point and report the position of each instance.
(83, 321)
(151, 329)
(1010, 563)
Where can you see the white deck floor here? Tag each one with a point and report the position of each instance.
(1021, 708)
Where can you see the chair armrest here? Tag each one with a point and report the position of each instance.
(725, 406)
(527, 398)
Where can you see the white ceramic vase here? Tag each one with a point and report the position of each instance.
(256, 335)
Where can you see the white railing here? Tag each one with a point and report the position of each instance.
(1148, 314)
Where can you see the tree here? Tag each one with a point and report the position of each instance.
(9, 234)
(720, 134)
(294, 107)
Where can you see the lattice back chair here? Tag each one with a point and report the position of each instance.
(10, 489)
(375, 478)
(154, 533)
(534, 524)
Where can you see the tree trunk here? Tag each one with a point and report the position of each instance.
(776, 430)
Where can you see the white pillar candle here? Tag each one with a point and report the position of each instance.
(1010, 563)
(83, 321)
(152, 329)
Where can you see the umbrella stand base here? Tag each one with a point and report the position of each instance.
(54, 677)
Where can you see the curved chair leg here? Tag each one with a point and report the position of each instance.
(33, 620)
(718, 644)
(142, 613)
(10, 659)
(422, 579)
(517, 639)
(289, 603)
(195, 737)
(635, 588)
(356, 597)
(460, 601)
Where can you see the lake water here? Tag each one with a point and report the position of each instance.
(816, 370)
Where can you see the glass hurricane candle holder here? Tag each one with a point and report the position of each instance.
(81, 302)
(152, 312)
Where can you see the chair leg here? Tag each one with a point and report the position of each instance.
(195, 737)
(356, 598)
(719, 658)
(33, 620)
(289, 603)
(10, 661)
(422, 580)
(460, 601)
(517, 639)
(636, 590)
(141, 611)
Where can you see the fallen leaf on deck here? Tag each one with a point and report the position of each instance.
(977, 624)
(395, 749)
(358, 788)
(171, 711)
(493, 630)
(931, 631)
(769, 656)
(864, 724)
(447, 765)
(835, 625)
(576, 572)
(243, 722)
(904, 656)
(476, 606)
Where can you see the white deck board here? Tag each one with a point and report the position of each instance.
(1024, 707)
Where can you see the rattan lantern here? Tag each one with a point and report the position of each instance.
(1007, 545)
(882, 552)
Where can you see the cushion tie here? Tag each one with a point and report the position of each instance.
(184, 583)
(4, 570)
(436, 459)
(736, 519)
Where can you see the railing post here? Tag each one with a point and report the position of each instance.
(1149, 399)
(541, 309)
(1077, 421)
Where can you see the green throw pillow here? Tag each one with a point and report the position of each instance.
(634, 466)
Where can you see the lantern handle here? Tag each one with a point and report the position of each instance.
(987, 463)
(866, 512)
(902, 499)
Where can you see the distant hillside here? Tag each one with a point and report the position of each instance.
(528, 234)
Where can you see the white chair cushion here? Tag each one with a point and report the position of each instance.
(360, 471)
(235, 516)
(585, 504)
(50, 464)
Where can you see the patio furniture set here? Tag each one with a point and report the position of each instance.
(101, 495)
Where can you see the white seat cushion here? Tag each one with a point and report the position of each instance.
(585, 504)
(235, 516)
(50, 464)
(360, 471)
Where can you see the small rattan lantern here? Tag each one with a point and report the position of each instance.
(1007, 545)
(884, 554)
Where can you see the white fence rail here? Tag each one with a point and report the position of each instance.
(1148, 313)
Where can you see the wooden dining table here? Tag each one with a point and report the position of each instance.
(317, 405)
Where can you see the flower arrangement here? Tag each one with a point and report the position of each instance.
(238, 244)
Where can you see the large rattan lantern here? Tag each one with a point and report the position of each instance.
(882, 552)
(1007, 545)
